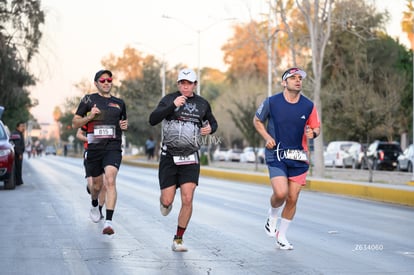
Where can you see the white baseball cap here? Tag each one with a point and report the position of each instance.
(187, 74)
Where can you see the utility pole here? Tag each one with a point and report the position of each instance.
(198, 32)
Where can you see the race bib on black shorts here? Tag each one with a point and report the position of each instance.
(186, 160)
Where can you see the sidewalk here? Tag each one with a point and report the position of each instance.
(383, 190)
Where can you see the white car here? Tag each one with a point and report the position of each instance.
(220, 154)
(248, 155)
(233, 154)
(342, 154)
(261, 155)
(406, 160)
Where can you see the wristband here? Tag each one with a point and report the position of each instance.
(314, 134)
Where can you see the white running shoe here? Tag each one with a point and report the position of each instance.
(270, 227)
(283, 243)
(94, 214)
(108, 229)
(178, 246)
(165, 210)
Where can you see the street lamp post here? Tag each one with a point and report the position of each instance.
(198, 31)
(164, 64)
(198, 61)
(163, 76)
(164, 70)
(269, 46)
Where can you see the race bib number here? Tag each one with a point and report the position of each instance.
(185, 160)
(104, 131)
(296, 155)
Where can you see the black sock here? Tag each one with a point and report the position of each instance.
(100, 209)
(95, 203)
(109, 214)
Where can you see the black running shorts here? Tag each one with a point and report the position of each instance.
(97, 160)
(170, 174)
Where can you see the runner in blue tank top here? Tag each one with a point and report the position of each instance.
(291, 119)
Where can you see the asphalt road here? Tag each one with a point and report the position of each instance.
(45, 229)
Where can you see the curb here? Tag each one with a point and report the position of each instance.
(379, 192)
(403, 195)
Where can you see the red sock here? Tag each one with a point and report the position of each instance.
(180, 232)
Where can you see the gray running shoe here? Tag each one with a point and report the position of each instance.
(94, 214)
(165, 210)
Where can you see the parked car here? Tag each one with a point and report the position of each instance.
(354, 158)
(220, 154)
(364, 148)
(248, 155)
(406, 159)
(6, 156)
(382, 155)
(342, 154)
(233, 154)
(50, 150)
(261, 155)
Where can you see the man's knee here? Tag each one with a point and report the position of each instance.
(187, 199)
(187, 196)
(291, 200)
(280, 195)
(166, 200)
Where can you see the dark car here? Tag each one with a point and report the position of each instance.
(382, 155)
(6, 157)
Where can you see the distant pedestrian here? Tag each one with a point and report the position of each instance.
(29, 149)
(285, 121)
(19, 148)
(149, 148)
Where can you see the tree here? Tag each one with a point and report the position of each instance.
(65, 122)
(388, 59)
(293, 35)
(243, 93)
(254, 44)
(20, 36)
(359, 65)
(407, 23)
(128, 66)
(214, 82)
(65, 116)
(245, 52)
(242, 118)
(141, 96)
(318, 20)
(365, 78)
